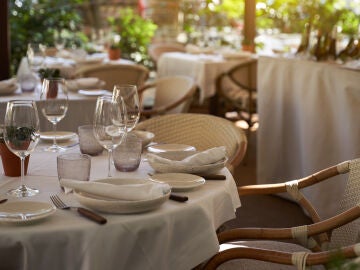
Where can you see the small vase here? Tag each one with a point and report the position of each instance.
(11, 162)
(114, 54)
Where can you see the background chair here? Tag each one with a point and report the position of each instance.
(338, 235)
(172, 94)
(236, 91)
(117, 74)
(200, 130)
(157, 49)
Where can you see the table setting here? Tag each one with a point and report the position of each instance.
(89, 197)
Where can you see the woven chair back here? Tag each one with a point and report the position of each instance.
(200, 130)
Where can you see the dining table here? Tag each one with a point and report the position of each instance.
(308, 121)
(203, 68)
(175, 235)
(81, 108)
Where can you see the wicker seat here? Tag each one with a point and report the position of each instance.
(199, 130)
(173, 94)
(117, 74)
(318, 242)
(157, 49)
(236, 91)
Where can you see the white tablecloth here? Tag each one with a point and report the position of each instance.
(309, 120)
(175, 236)
(80, 111)
(203, 68)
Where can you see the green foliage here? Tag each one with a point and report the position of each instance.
(49, 73)
(17, 135)
(136, 34)
(35, 21)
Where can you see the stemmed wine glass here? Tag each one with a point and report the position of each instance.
(129, 94)
(59, 40)
(21, 135)
(36, 55)
(54, 95)
(110, 124)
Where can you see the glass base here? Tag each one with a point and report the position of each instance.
(23, 191)
(54, 148)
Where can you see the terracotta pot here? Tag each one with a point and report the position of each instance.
(11, 162)
(114, 54)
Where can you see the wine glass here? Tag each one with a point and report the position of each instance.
(110, 124)
(54, 106)
(59, 40)
(129, 94)
(21, 135)
(36, 55)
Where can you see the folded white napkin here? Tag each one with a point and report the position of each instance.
(128, 192)
(209, 156)
(85, 83)
(8, 84)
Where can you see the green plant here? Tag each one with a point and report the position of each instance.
(36, 21)
(49, 73)
(17, 135)
(135, 35)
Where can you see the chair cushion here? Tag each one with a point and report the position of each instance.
(246, 264)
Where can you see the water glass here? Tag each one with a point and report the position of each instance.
(127, 156)
(74, 166)
(88, 143)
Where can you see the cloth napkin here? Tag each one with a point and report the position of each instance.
(128, 192)
(85, 83)
(8, 84)
(209, 156)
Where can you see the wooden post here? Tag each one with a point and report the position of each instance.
(249, 25)
(4, 41)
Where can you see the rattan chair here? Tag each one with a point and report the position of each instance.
(200, 130)
(172, 94)
(319, 243)
(113, 74)
(236, 91)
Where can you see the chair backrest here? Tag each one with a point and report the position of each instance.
(157, 49)
(174, 93)
(117, 74)
(202, 131)
(350, 233)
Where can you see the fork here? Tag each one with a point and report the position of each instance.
(83, 211)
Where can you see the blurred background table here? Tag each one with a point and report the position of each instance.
(309, 120)
(203, 68)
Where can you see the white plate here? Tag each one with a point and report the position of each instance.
(169, 147)
(179, 181)
(120, 206)
(25, 211)
(94, 92)
(61, 136)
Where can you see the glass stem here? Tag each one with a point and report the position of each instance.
(22, 179)
(109, 162)
(54, 129)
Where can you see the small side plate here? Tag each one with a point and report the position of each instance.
(61, 136)
(179, 181)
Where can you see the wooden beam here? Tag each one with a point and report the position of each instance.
(4, 41)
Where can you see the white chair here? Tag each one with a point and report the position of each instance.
(172, 94)
(113, 74)
(202, 131)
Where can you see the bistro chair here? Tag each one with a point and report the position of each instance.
(113, 74)
(236, 91)
(157, 49)
(319, 243)
(172, 94)
(202, 131)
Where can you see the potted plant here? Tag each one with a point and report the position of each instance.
(50, 73)
(11, 162)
